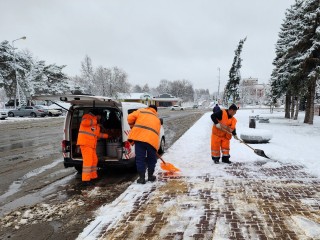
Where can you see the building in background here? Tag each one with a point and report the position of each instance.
(251, 92)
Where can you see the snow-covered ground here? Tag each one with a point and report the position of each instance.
(292, 142)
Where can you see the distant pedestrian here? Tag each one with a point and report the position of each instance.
(145, 129)
(216, 108)
(222, 131)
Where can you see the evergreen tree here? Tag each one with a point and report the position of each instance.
(55, 80)
(232, 87)
(34, 77)
(308, 48)
(298, 54)
(7, 73)
(282, 76)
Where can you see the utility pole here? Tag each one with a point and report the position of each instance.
(218, 84)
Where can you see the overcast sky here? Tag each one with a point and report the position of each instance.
(149, 39)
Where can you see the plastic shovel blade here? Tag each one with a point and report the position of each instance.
(169, 167)
(260, 153)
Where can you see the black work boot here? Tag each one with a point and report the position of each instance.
(226, 160)
(151, 177)
(141, 179)
(87, 184)
(215, 159)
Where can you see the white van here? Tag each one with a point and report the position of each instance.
(112, 151)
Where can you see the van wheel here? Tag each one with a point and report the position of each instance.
(79, 169)
(162, 144)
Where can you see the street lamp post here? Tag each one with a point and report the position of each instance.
(15, 71)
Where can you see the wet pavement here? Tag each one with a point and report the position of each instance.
(256, 200)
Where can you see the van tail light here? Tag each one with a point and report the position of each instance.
(65, 146)
(127, 147)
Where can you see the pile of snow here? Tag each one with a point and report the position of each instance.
(43, 212)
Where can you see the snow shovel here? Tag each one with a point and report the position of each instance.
(256, 151)
(167, 166)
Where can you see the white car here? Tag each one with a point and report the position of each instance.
(176, 107)
(53, 112)
(114, 151)
(28, 111)
(3, 114)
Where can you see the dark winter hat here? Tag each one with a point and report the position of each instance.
(233, 107)
(154, 107)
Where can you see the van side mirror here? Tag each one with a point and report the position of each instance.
(161, 121)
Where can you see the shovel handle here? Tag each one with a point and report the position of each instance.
(239, 139)
(160, 158)
(247, 145)
(261, 154)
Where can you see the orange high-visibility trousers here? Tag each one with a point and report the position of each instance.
(219, 144)
(90, 162)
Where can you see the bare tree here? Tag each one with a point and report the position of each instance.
(164, 86)
(110, 81)
(137, 88)
(182, 89)
(87, 75)
(146, 88)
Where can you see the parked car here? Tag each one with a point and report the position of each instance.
(3, 114)
(116, 150)
(195, 106)
(52, 112)
(176, 107)
(28, 111)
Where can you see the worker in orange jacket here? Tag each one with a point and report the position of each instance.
(88, 135)
(222, 131)
(145, 129)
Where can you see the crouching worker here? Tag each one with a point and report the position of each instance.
(145, 129)
(88, 135)
(222, 131)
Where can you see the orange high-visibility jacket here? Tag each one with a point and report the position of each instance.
(145, 126)
(226, 123)
(89, 131)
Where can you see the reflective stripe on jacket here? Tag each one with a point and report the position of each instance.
(226, 123)
(145, 126)
(89, 131)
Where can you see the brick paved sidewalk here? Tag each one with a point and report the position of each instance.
(257, 200)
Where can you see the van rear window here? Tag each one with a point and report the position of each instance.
(131, 110)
